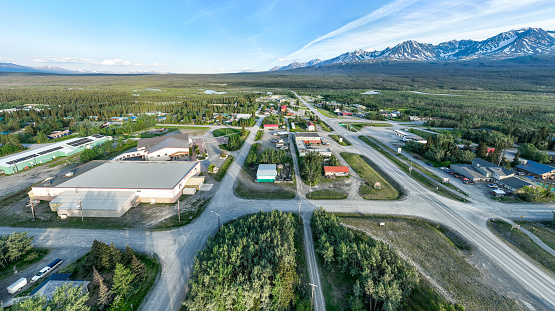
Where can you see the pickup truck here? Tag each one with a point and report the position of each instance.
(46, 270)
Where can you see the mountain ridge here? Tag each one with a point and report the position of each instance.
(513, 43)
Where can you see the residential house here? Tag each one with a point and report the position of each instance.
(336, 171)
(310, 126)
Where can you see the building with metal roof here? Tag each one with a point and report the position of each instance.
(29, 158)
(514, 184)
(266, 173)
(537, 169)
(110, 188)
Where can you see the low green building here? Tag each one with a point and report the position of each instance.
(266, 173)
(29, 158)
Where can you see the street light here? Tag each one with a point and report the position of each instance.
(218, 218)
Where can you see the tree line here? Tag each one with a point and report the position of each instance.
(13, 247)
(251, 264)
(382, 278)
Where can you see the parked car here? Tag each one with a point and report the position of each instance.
(443, 168)
(451, 173)
(429, 164)
(468, 182)
(465, 179)
(492, 185)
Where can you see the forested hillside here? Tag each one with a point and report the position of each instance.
(251, 264)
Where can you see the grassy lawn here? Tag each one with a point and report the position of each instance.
(520, 241)
(325, 126)
(422, 133)
(34, 255)
(241, 142)
(259, 135)
(327, 195)
(225, 166)
(225, 131)
(438, 253)
(327, 113)
(414, 174)
(345, 142)
(242, 190)
(366, 170)
(380, 124)
(542, 231)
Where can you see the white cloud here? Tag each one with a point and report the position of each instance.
(281, 60)
(220, 69)
(430, 21)
(2, 58)
(105, 62)
(375, 15)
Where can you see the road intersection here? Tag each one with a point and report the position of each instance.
(176, 249)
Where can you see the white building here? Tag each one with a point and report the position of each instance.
(109, 189)
(161, 148)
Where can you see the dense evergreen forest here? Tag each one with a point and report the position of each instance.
(251, 264)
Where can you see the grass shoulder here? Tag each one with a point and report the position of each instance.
(327, 195)
(344, 141)
(371, 174)
(523, 243)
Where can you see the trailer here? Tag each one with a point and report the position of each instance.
(46, 270)
(17, 286)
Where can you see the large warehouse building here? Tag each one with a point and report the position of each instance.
(26, 159)
(109, 189)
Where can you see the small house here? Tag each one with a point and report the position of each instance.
(271, 126)
(310, 126)
(336, 171)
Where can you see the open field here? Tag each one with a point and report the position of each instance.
(520, 241)
(345, 142)
(327, 195)
(366, 170)
(441, 256)
(225, 131)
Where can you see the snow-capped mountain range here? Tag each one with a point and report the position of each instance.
(526, 41)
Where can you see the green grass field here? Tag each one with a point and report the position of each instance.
(366, 171)
(327, 195)
(225, 131)
(345, 142)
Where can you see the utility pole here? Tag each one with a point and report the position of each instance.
(178, 212)
(312, 297)
(33, 210)
(81, 208)
(300, 213)
(218, 218)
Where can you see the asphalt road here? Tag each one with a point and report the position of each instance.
(177, 248)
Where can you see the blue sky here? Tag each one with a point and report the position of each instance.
(234, 36)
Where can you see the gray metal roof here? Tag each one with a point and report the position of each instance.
(307, 134)
(266, 170)
(132, 175)
(174, 141)
(536, 168)
(514, 182)
(93, 200)
(482, 163)
(467, 171)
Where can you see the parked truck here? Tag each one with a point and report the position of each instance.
(46, 270)
(17, 286)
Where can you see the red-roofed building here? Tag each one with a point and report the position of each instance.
(283, 108)
(310, 126)
(313, 142)
(271, 126)
(334, 171)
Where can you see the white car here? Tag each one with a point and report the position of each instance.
(492, 185)
(39, 275)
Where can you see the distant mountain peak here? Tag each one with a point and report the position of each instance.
(512, 43)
